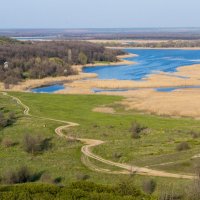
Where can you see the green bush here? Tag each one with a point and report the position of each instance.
(35, 143)
(182, 146)
(21, 175)
(7, 142)
(149, 186)
(136, 130)
(82, 177)
(6, 119)
(76, 191)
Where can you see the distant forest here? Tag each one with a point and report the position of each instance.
(36, 60)
(108, 33)
(159, 44)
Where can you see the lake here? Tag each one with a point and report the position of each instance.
(149, 61)
(49, 89)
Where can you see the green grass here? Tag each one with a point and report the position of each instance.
(64, 159)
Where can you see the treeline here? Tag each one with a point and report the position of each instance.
(160, 44)
(144, 36)
(36, 60)
(169, 44)
(4, 40)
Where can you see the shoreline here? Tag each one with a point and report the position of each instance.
(121, 61)
(37, 83)
(82, 80)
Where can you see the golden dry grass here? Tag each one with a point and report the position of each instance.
(104, 110)
(183, 102)
(33, 83)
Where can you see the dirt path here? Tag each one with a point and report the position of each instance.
(91, 143)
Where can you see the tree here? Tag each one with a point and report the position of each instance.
(149, 186)
(82, 58)
(136, 130)
(32, 144)
(44, 59)
(69, 56)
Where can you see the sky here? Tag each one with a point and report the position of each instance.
(99, 13)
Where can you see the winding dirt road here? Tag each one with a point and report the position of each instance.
(91, 143)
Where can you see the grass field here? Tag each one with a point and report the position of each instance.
(63, 160)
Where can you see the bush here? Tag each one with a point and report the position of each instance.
(35, 144)
(22, 175)
(9, 177)
(136, 130)
(78, 190)
(182, 146)
(127, 187)
(46, 178)
(195, 134)
(11, 118)
(82, 177)
(7, 142)
(3, 120)
(117, 155)
(32, 144)
(149, 186)
(7, 120)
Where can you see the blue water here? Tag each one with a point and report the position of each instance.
(48, 89)
(148, 61)
(98, 90)
(171, 89)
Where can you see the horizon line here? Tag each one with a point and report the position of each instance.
(51, 28)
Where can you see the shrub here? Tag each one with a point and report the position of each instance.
(149, 186)
(7, 120)
(46, 178)
(7, 142)
(22, 175)
(78, 190)
(182, 146)
(117, 155)
(32, 144)
(11, 118)
(127, 187)
(35, 144)
(9, 177)
(136, 130)
(195, 134)
(82, 177)
(3, 121)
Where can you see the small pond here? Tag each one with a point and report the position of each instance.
(48, 89)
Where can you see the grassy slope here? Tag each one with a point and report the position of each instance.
(63, 160)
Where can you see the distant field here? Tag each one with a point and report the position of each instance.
(63, 160)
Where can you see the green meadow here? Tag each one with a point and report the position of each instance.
(156, 148)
